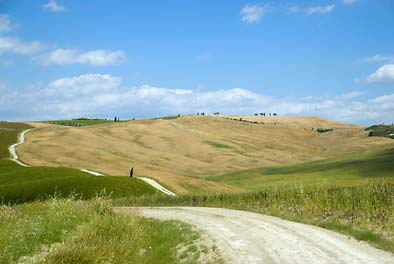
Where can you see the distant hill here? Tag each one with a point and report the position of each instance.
(180, 152)
(381, 131)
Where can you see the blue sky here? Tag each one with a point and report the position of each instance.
(66, 58)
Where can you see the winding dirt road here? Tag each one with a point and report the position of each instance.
(245, 237)
(12, 148)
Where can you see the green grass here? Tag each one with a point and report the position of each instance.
(381, 130)
(21, 184)
(79, 122)
(9, 135)
(356, 169)
(74, 231)
(218, 145)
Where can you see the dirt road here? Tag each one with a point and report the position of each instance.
(12, 148)
(157, 185)
(244, 237)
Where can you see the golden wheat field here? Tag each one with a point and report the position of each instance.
(180, 152)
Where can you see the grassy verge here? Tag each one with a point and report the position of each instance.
(365, 212)
(74, 231)
(21, 184)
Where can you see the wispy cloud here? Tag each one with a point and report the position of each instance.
(350, 95)
(72, 56)
(384, 74)
(5, 23)
(319, 10)
(376, 59)
(252, 14)
(16, 46)
(52, 6)
(311, 10)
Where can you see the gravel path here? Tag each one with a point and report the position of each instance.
(245, 237)
(157, 185)
(95, 173)
(12, 148)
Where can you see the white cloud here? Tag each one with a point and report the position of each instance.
(312, 10)
(54, 7)
(384, 99)
(376, 59)
(384, 74)
(16, 46)
(5, 23)
(252, 14)
(349, 2)
(103, 95)
(71, 56)
(319, 10)
(87, 84)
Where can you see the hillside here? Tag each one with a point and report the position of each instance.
(180, 152)
(19, 184)
(350, 170)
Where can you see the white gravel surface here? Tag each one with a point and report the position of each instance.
(157, 185)
(12, 148)
(245, 237)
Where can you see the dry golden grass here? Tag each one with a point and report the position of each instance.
(179, 153)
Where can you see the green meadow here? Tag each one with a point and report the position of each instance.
(350, 170)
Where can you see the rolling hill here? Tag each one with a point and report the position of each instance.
(20, 184)
(181, 152)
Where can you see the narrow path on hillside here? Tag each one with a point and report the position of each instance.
(245, 237)
(95, 173)
(157, 186)
(12, 148)
(21, 140)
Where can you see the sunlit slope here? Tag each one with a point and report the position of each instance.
(20, 184)
(181, 152)
(355, 169)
